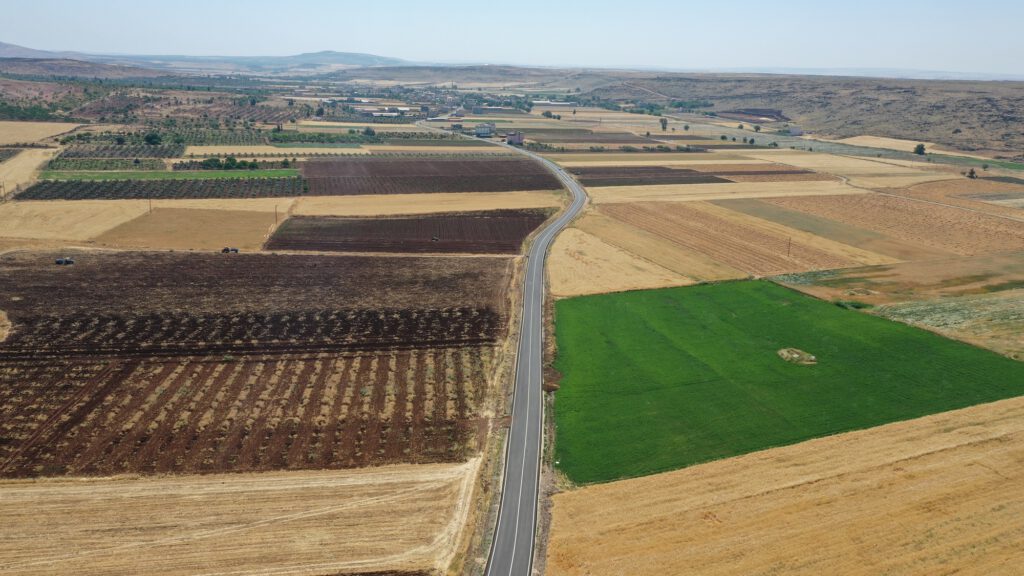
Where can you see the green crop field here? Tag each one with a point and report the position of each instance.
(168, 175)
(657, 380)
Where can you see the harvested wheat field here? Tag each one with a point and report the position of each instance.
(327, 126)
(860, 171)
(434, 149)
(22, 169)
(581, 263)
(80, 220)
(654, 248)
(383, 205)
(192, 229)
(935, 495)
(987, 196)
(718, 191)
(900, 144)
(951, 229)
(316, 522)
(27, 132)
(885, 248)
(734, 239)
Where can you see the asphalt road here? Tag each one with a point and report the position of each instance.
(512, 547)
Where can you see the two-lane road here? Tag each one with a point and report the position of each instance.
(512, 548)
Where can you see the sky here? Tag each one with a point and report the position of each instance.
(980, 36)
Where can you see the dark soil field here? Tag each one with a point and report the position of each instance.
(352, 176)
(493, 232)
(159, 362)
(641, 175)
(189, 188)
(213, 414)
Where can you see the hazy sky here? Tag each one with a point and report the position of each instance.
(976, 36)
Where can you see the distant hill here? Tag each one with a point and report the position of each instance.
(309, 63)
(73, 68)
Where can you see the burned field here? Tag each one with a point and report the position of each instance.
(157, 362)
(489, 232)
(164, 189)
(355, 176)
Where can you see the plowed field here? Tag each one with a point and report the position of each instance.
(496, 232)
(412, 176)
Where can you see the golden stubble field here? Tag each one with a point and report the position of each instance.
(405, 517)
(936, 495)
(26, 132)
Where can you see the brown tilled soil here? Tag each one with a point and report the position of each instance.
(491, 232)
(955, 230)
(412, 176)
(112, 415)
(936, 495)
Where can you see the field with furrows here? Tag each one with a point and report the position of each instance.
(118, 414)
(421, 175)
(495, 232)
(188, 188)
(745, 248)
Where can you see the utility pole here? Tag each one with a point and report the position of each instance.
(150, 205)
(789, 248)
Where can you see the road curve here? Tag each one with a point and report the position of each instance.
(512, 547)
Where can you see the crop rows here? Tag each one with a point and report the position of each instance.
(200, 414)
(164, 189)
(62, 163)
(123, 151)
(642, 175)
(166, 333)
(744, 248)
(496, 232)
(421, 175)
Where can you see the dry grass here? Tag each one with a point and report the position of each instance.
(390, 518)
(692, 192)
(26, 132)
(192, 229)
(860, 171)
(939, 494)
(945, 228)
(899, 144)
(440, 148)
(78, 220)
(321, 126)
(291, 152)
(385, 204)
(22, 169)
(648, 246)
(581, 263)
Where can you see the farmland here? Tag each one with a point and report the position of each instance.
(423, 203)
(496, 232)
(162, 175)
(389, 521)
(176, 188)
(191, 229)
(28, 132)
(918, 497)
(664, 379)
(413, 176)
(239, 372)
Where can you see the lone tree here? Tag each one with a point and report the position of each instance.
(664, 123)
(919, 149)
(757, 128)
(686, 126)
(153, 139)
(972, 174)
